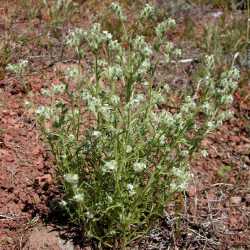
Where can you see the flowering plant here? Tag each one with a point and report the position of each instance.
(19, 69)
(121, 156)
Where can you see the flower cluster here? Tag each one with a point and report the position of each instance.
(75, 38)
(110, 166)
(181, 179)
(114, 72)
(116, 8)
(141, 46)
(44, 112)
(94, 37)
(163, 27)
(147, 13)
(139, 167)
(18, 68)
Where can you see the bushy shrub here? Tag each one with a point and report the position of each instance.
(19, 69)
(59, 11)
(120, 155)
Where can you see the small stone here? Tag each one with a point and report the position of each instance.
(8, 240)
(235, 200)
(247, 198)
(36, 198)
(44, 180)
(243, 149)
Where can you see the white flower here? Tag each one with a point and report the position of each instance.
(165, 118)
(23, 63)
(96, 133)
(73, 72)
(114, 46)
(129, 149)
(227, 99)
(211, 125)
(223, 116)
(228, 114)
(159, 167)
(144, 67)
(115, 99)
(235, 73)
(175, 187)
(116, 8)
(131, 190)
(86, 96)
(105, 109)
(177, 52)
(44, 112)
(114, 72)
(142, 47)
(18, 68)
(46, 92)
(162, 139)
(182, 177)
(139, 167)
(157, 97)
(135, 101)
(63, 203)
(207, 108)
(184, 153)
(102, 63)
(78, 197)
(147, 12)
(110, 166)
(188, 106)
(75, 37)
(163, 27)
(166, 88)
(204, 153)
(89, 215)
(71, 138)
(107, 36)
(71, 178)
(95, 37)
(179, 172)
(27, 104)
(93, 103)
(59, 88)
(169, 47)
(109, 198)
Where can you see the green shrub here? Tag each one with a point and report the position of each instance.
(59, 13)
(120, 157)
(19, 69)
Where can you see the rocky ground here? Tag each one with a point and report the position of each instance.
(214, 213)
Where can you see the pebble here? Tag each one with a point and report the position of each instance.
(235, 200)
